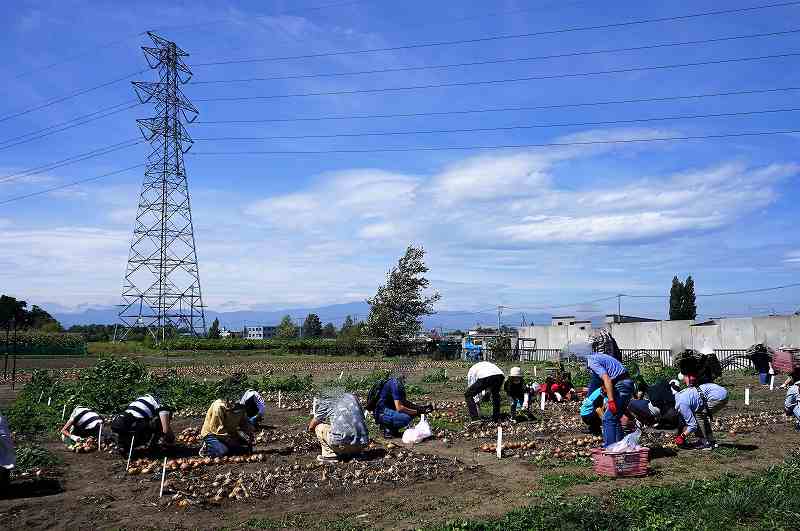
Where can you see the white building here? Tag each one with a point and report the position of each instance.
(259, 332)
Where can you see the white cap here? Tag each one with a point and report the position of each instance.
(680, 377)
(675, 385)
(706, 350)
(515, 371)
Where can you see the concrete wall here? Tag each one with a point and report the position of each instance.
(738, 333)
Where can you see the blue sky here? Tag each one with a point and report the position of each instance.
(521, 227)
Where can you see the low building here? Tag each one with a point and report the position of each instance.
(259, 332)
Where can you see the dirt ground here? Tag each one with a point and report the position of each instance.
(451, 478)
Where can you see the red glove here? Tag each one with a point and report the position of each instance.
(680, 440)
(612, 407)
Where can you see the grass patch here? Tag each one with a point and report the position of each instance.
(445, 424)
(557, 484)
(437, 376)
(769, 499)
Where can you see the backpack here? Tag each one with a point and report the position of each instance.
(375, 393)
(660, 395)
(709, 370)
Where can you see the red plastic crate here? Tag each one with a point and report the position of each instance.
(785, 360)
(625, 464)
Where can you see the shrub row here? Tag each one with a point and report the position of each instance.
(44, 344)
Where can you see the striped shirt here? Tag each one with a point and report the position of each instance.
(144, 407)
(85, 419)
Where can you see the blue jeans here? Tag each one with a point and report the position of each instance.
(612, 427)
(393, 420)
(763, 378)
(215, 447)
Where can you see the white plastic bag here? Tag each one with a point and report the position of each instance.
(629, 444)
(418, 433)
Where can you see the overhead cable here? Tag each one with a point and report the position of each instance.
(500, 81)
(497, 61)
(652, 99)
(503, 128)
(501, 146)
(504, 37)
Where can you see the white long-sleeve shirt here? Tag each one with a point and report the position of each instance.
(482, 369)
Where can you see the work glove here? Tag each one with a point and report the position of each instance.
(426, 409)
(771, 371)
(680, 440)
(612, 407)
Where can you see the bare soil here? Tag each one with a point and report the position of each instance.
(93, 490)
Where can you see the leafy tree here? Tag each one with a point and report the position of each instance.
(287, 328)
(312, 326)
(675, 293)
(41, 320)
(398, 306)
(329, 331)
(689, 299)
(347, 325)
(682, 300)
(213, 331)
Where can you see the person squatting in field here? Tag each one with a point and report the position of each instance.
(82, 422)
(484, 376)
(791, 404)
(696, 406)
(339, 424)
(393, 410)
(145, 421)
(227, 428)
(657, 407)
(520, 394)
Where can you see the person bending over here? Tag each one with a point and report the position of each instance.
(484, 376)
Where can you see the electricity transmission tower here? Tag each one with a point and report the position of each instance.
(161, 289)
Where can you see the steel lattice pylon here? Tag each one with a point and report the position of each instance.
(161, 289)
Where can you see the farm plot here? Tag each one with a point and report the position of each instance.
(454, 476)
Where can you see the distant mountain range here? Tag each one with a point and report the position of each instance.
(335, 313)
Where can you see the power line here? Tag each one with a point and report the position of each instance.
(504, 128)
(502, 146)
(503, 109)
(68, 185)
(68, 124)
(71, 160)
(502, 81)
(498, 61)
(721, 293)
(504, 37)
(71, 95)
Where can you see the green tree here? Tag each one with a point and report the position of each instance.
(398, 306)
(41, 320)
(689, 299)
(346, 325)
(312, 326)
(329, 331)
(287, 328)
(675, 296)
(213, 330)
(682, 300)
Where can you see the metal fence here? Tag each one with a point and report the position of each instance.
(664, 355)
(732, 359)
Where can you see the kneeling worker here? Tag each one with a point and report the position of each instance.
(484, 376)
(696, 407)
(254, 406)
(224, 421)
(519, 394)
(144, 421)
(592, 410)
(791, 404)
(82, 422)
(340, 426)
(393, 411)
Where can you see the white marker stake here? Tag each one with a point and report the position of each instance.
(99, 435)
(130, 453)
(341, 374)
(314, 408)
(279, 398)
(534, 371)
(163, 475)
(499, 442)
(445, 374)
(542, 406)
(63, 411)
(49, 400)
(40, 397)
(747, 396)
(772, 382)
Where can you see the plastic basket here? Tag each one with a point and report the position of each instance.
(785, 360)
(625, 464)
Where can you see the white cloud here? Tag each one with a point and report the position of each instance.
(792, 257)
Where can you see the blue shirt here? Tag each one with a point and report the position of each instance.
(587, 406)
(687, 403)
(714, 392)
(601, 364)
(392, 390)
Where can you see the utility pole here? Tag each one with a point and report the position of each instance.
(619, 306)
(161, 289)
